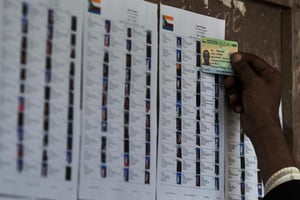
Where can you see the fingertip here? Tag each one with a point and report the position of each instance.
(233, 98)
(241, 67)
(229, 82)
(234, 103)
(236, 57)
(238, 109)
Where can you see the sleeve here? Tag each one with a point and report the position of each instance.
(289, 190)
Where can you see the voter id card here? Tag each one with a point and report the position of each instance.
(215, 55)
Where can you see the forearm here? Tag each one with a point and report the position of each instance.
(272, 151)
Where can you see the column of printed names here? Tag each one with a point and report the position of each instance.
(120, 79)
(40, 99)
(191, 118)
(243, 177)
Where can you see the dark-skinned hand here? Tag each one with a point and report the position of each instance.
(255, 93)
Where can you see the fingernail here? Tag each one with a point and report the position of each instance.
(232, 97)
(236, 57)
(238, 109)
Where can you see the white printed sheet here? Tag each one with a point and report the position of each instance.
(40, 98)
(191, 125)
(118, 155)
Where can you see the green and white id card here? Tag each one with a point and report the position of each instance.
(215, 55)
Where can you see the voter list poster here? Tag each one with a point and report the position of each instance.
(118, 155)
(40, 88)
(191, 125)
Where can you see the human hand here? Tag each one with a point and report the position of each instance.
(254, 92)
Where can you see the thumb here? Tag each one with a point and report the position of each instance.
(242, 68)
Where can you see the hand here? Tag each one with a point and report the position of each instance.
(254, 92)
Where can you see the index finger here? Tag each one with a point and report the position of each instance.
(258, 65)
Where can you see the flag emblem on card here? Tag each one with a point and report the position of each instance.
(94, 6)
(167, 22)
